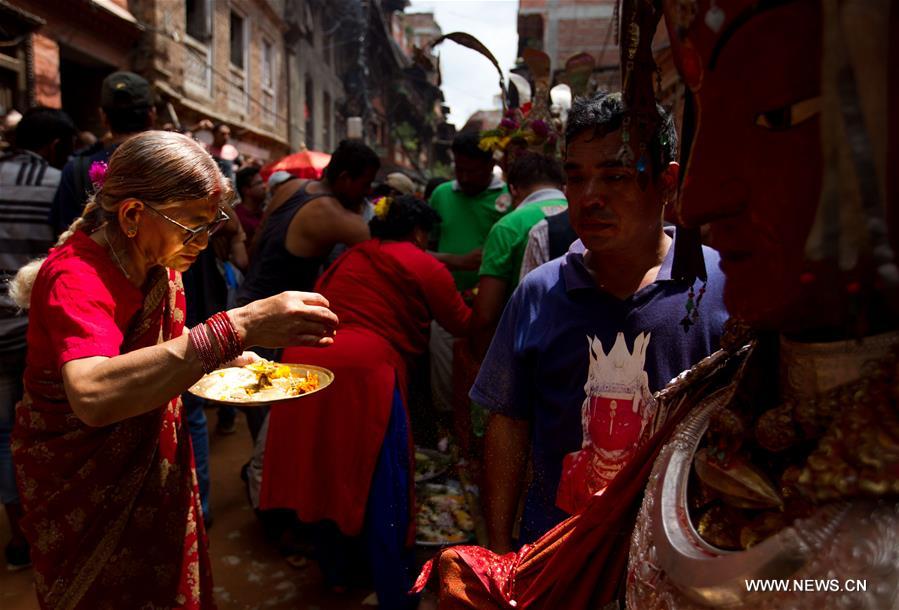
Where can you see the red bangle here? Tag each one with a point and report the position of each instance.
(219, 339)
(226, 335)
(200, 340)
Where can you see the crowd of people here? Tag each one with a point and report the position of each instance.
(648, 410)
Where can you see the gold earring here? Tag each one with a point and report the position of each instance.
(131, 232)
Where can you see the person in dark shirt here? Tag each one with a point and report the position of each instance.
(126, 101)
(29, 175)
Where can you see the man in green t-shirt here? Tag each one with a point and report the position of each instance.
(469, 206)
(535, 183)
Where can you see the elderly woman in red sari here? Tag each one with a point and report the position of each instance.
(343, 456)
(103, 456)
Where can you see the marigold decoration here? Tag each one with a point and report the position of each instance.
(382, 207)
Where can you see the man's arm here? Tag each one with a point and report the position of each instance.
(325, 223)
(496, 271)
(459, 262)
(505, 385)
(505, 459)
(488, 307)
(344, 227)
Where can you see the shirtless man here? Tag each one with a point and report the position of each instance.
(307, 219)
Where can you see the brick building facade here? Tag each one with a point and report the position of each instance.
(223, 61)
(283, 74)
(563, 28)
(72, 47)
(317, 57)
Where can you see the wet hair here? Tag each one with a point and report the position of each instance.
(467, 144)
(433, 183)
(159, 168)
(41, 125)
(244, 177)
(128, 120)
(352, 157)
(603, 113)
(405, 214)
(531, 169)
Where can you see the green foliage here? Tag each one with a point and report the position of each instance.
(441, 170)
(407, 136)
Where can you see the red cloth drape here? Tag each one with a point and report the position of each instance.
(112, 514)
(577, 565)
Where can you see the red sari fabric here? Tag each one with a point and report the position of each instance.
(112, 513)
(321, 451)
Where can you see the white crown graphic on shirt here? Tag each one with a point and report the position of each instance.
(619, 371)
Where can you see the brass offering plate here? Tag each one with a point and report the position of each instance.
(262, 383)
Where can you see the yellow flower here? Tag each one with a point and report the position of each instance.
(382, 207)
(488, 143)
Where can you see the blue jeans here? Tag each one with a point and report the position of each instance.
(10, 394)
(199, 437)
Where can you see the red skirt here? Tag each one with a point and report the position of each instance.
(321, 450)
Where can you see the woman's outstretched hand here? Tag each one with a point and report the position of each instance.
(286, 319)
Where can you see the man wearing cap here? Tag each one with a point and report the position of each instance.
(126, 102)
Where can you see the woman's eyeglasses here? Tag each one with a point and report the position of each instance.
(192, 234)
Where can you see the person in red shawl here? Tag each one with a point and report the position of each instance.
(343, 455)
(102, 452)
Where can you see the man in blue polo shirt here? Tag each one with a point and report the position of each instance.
(588, 338)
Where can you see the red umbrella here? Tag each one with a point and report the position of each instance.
(304, 164)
